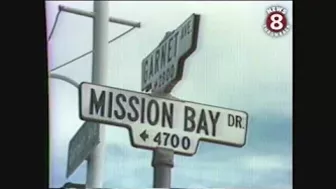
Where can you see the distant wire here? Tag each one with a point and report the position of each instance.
(54, 26)
(83, 55)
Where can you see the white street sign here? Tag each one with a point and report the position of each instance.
(161, 122)
(81, 145)
(163, 67)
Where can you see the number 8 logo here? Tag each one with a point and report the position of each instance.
(276, 22)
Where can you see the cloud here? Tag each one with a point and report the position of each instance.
(222, 169)
(266, 163)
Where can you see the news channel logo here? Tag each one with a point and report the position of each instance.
(276, 22)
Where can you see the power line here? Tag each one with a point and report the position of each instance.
(54, 25)
(87, 53)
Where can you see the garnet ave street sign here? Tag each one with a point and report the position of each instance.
(81, 145)
(163, 67)
(161, 122)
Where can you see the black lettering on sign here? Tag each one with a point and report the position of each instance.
(157, 59)
(172, 72)
(238, 122)
(202, 124)
(166, 135)
(142, 113)
(167, 74)
(184, 31)
(163, 77)
(153, 121)
(230, 120)
(155, 84)
(160, 80)
(145, 71)
(175, 141)
(235, 121)
(172, 140)
(119, 99)
(157, 138)
(170, 48)
(214, 121)
(151, 64)
(110, 105)
(98, 105)
(163, 55)
(189, 29)
(189, 116)
(185, 143)
(167, 114)
(133, 100)
(175, 46)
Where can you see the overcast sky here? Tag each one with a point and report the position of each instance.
(236, 65)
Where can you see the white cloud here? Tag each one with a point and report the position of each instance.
(267, 163)
(232, 170)
(127, 167)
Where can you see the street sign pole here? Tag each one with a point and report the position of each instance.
(95, 163)
(162, 162)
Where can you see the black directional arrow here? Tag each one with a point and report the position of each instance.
(144, 135)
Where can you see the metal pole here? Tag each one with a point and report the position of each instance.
(95, 166)
(64, 78)
(90, 14)
(162, 160)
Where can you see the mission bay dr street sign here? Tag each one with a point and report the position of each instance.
(163, 67)
(161, 122)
